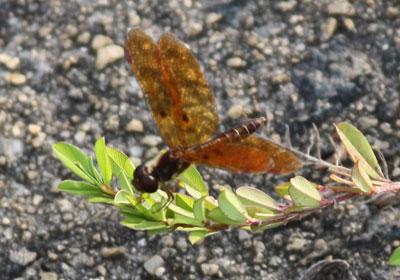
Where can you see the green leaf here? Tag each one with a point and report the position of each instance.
(123, 197)
(79, 187)
(151, 232)
(124, 182)
(186, 221)
(133, 220)
(103, 160)
(101, 199)
(298, 208)
(74, 159)
(184, 201)
(178, 210)
(198, 235)
(231, 206)
(283, 191)
(199, 209)
(193, 178)
(395, 258)
(359, 149)
(146, 225)
(218, 216)
(94, 172)
(119, 161)
(361, 179)
(304, 193)
(251, 196)
(261, 213)
(267, 226)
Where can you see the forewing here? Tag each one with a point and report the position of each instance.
(142, 55)
(193, 105)
(250, 155)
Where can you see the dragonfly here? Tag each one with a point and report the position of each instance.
(185, 112)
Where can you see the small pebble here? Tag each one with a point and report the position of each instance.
(48, 276)
(134, 126)
(235, 62)
(340, 7)
(151, 140)
(235, 111)
(153, 263)
(209, 269)
(285, 6)
(213, 18)
(112, 252)
(16, 78)
(83, 38)
(328, 28)
(6, 221)
(349, 24)
(181, 243)
(107, 55)
(193, 29)
(102, 270)
(100, 41)
(393, 12)
(112, 122)
(37, 198)
(275, 261)
(296, 244)
(159, 271)
(22, 257)
(11, 62)
(280, 78)
(34, 129)
(134, 18)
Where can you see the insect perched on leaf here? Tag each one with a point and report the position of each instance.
(184, 109)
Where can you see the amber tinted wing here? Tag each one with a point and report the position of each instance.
(250, 155)
(141, 53)
(193, 105)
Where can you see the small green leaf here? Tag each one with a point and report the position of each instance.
(359, 149)
(198, 235)
(193, 178)
(133, 220)
(184, 201)
(199, 209)
(304, 193)
(218, 216)
(101, 199)
(395, 258)
(178, 210)
(146, 225)
(231, 206)
(267, 226)
(298, 208)
(151, 232)
(103, 160)
(79, 187)
(124, 182)
(283, 191)
(74, 159)
(119, 161)
(123, 197)
(93, 171)
(360, 178)
(261, 213)
(251, 196)
(186, 221)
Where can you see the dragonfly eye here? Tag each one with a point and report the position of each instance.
(143, 181)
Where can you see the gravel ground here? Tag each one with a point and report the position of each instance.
(63, 78)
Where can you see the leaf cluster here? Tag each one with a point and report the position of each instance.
(194, 210)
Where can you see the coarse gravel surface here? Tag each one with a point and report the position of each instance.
(63, 77)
